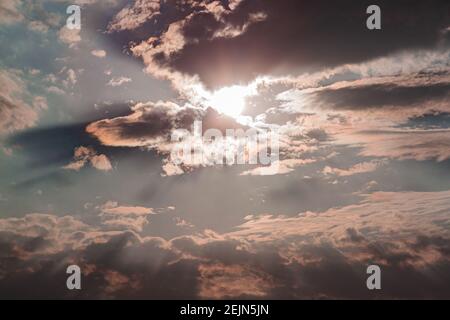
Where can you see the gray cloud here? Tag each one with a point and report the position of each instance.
(298, 36)
(311, 255)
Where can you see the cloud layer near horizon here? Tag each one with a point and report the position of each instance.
(312, 255)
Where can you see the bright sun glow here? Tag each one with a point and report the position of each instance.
(231, 100)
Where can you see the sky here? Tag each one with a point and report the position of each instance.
(88, 175)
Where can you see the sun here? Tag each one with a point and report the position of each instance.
(231, 100)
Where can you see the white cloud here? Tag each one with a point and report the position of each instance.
(55, 90)
(98, 53)
(38, 26)
(278, 167)
(135, 15)
(116, 82)
(84, 155)
(359, 168)
(69, 36)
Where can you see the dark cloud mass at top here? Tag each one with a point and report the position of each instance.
(299, 36)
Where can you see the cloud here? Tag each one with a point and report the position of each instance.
(38, 26)
(286, 41)
(9, 12)
(311, 255)
(134, 15)
(364, 167)
(40, 103)
(112, 208)
(15, 113)
(69, 36)
(147, 125)
(232, 31)
(375, 114)
(218, 281)
(171, 169)
(117, 82)
(401, 144)
(345, 92)
(84, 155)
(57, 233)
(98, 53)
(399, 92)
(153, 126)
(55, 90)
(183, 27)
(133, 218)
(278, 167)
(382, 94)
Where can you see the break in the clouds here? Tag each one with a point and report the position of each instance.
(87, 120)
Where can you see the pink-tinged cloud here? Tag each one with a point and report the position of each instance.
(84, 155)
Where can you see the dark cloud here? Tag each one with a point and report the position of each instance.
(153, 123)
(301, 36)
(311, 255)
(430, 120)
(382, 95)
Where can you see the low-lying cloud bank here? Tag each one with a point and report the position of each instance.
(312, 255)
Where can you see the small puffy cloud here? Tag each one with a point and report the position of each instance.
(116, 82)
(34, 72)
(84, 155)
(117, 216)
(134, 15)
(10, 12)
(69, 36)
(40, 102)
(71, 77)
(101, 162)
(232, 31)
(180, 222)
(98, 53)
(359, 168)
(55, 90)
(114, 209)
(278, 167)
(171, 169)
(38, 26)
